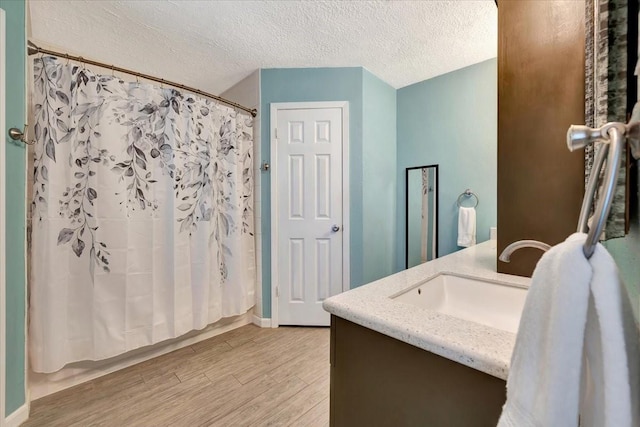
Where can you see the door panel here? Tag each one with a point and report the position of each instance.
(309, 206)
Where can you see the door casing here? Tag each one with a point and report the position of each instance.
(346, 228)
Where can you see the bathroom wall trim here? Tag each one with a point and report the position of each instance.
(43, 385)
(17, 417)
(346, 226)
(261, 322)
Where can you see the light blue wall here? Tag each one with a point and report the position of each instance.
(15, 99)
(372, 153)
(308, 85)
(451, 120)
(379, 173)
(626, 252)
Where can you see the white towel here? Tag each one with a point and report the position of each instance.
(576, 323)
(466, 227)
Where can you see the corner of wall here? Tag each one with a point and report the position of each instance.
(379, 165)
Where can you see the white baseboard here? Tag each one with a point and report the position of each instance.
(18, 416)
(262, 322)
(41, 385)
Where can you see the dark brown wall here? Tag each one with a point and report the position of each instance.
(541, 72)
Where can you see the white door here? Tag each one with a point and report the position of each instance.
(309, 233)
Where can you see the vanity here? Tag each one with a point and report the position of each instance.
(428, 346)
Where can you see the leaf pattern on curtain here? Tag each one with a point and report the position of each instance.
(171, 135)
(54, 91)
(142, 215)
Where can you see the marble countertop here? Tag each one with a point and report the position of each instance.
(472, 344)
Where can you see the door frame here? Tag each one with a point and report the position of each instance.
(346, 229)
(3, 178)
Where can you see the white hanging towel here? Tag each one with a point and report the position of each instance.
(466, 227)
(576, 324)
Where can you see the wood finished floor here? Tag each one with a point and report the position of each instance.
(246, 377)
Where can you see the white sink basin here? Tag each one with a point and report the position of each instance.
(494, 304)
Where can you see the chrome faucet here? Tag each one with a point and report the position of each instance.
(506, 253)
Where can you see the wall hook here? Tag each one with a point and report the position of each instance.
(18, 135)
(265, 167)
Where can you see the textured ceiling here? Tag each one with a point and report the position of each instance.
(212, 45)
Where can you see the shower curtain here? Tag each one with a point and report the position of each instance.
(142, 215)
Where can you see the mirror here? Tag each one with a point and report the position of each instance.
(422, 214)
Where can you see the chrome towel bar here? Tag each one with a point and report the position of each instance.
(612, 137)
(468, 193)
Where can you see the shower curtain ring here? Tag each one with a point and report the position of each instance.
(112, 71)
(66, 55)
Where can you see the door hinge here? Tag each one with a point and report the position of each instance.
(277, 292)
(275, 131)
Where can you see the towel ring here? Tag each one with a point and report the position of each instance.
(468, 193)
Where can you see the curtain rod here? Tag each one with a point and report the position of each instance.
(33, 49)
